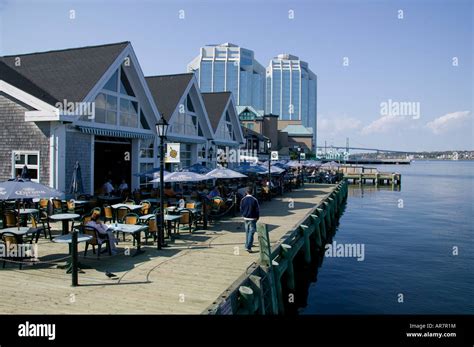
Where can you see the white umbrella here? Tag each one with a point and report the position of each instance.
(224, 173)
(179, 177)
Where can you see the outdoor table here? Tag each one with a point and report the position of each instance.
(19, 231)
(133, 229)
(28, 211)
(146, 217)
(171, 218)
(65, 218)
(130, 207)
(68, 239)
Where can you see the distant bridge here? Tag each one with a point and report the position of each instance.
(325, 148)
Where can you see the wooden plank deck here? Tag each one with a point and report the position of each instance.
(184, 278)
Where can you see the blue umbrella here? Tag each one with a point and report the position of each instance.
(179, 177)
(224, 173)
(25, 189)
(197, 168)
(24, 173)
(76, 182)
(246, 168)
(273, 169)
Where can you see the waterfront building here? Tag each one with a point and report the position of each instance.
(228, 67)
(180, 101)
(90, 105)
(291, 91)
(225, 125)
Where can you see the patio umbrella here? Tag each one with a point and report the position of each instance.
(25, 189)
(197, 168)
(294, 164)
(281, 165)
(330, 165)
(273, 169)
(76, 182)
(179, 177)
(24, 172)
(152, 173)
(224, 173)
(246, 168)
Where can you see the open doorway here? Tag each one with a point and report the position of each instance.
(112, 160)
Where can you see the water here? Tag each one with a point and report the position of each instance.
(408, 249)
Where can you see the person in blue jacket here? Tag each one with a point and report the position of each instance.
(251, 213)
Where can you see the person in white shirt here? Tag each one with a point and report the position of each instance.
(103, 229)
(108, 187)
(123, 186)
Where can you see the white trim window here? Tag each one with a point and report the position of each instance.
(29, 158)
(117, 104)
(225, 130)
(186, 121)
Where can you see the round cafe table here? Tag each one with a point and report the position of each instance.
(68, 239)
(19, 231)
(65, 218)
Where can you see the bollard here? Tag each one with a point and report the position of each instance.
(204, 211)
(247, 299)
(74, 258)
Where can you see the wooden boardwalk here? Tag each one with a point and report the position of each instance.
(184, 278)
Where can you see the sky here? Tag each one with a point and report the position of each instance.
(391, 74)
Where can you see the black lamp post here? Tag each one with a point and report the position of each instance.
(162, 129)
(269, 146)
(299, 161)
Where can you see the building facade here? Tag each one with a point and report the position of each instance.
(291, 91)
(228, 67)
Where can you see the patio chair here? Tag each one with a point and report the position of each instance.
(43, 205)
(121, 213)
(108, 214)
(152, 229)
(146, 205)
(186, 218)
(11, 240)
(57, 206)
(10, 219)
(44, 221)
(131, 218)
(72, 208)
(97, 239)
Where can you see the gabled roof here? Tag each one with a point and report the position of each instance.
(297, 130)
(215, 105)
(12, 77)
(167, 90)
(252, 133)
(62, 74)
(258, 113)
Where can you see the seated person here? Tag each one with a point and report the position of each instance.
(103, 229)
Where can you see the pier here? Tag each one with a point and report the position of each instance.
(206, 272)
(362, 175)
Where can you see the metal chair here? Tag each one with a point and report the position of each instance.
(57, 206)
(97, 239)
(11, 241)
(10, 219)
(108, 214)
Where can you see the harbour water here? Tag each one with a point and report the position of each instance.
(418, 245)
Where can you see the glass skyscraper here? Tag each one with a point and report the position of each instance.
(291, 89)
(228, 67)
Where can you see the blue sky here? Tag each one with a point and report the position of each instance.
(403, 60)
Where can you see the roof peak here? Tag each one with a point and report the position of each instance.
(68, 49)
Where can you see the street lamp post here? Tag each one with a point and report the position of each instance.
(162, 129)
(269, 146)
(299, 161)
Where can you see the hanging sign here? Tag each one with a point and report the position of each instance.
(274, 155)
(172, 153)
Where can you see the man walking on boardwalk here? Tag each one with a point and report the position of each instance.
(251, 213)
